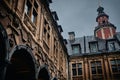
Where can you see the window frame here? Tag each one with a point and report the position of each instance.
(96, 67)
(91, 44)
(115, 65)
(31, 10)
(76, 46)
(46, 32)
(109, 43)
(77, 68)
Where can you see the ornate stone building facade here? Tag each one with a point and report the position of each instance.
(31, 45)
(95, 57)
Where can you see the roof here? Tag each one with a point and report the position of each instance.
(85, 47)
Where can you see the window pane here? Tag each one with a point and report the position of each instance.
(74, 72)
(92, 64)
(112, 62)
(93, 47)
(36, 5)
(111, 46)
(76, 49)
(93, 70)
(99, 69)
(73, 65)
(79, 71)
(27, 7)
(79, 65)
(118, 61)
(34, 17)
(98, 63)
(119, 68)
(114, 69)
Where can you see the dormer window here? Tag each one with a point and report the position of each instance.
(111, 45)
(76, 48)
(71, 36)
(93, 46)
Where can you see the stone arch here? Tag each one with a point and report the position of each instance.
(4, 46)
(22, 64)
(43, 73)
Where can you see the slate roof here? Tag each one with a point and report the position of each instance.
(84, 43)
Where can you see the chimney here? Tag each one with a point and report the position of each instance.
(60, 28)
(54, 14)
(71, 36)
(65, 41)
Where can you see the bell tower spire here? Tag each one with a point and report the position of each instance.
(99, 2)
(100, 9)
(104, 29)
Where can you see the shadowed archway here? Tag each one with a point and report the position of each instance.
(43, 74)
(22, 64)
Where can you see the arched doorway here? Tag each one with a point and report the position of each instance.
(43, 74)
(3, 51)
(22, 64)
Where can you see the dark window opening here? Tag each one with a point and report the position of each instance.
(115, 65)
(36, 5)
(76, 49)
(103, 22)
(93, 46)
(96, 67)
(77, 69)
(34, 17)
(28, 7)
(74, 72)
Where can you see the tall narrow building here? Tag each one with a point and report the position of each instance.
(95, 57)
(31, 44)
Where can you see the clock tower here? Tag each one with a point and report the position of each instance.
(104, 29)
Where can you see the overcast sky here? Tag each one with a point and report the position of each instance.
(80, 15)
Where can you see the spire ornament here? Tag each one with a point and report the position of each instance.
(99, 3)
(100, 9)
